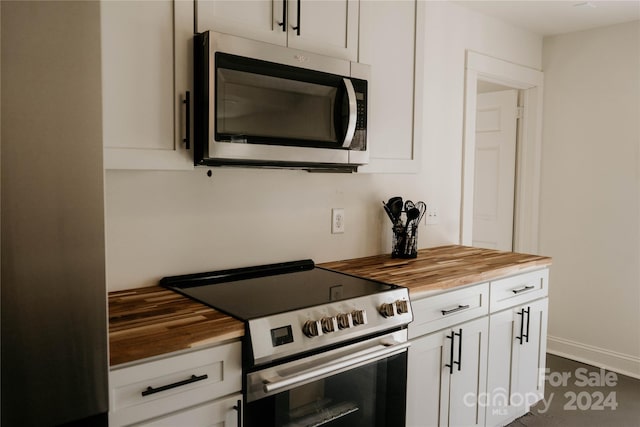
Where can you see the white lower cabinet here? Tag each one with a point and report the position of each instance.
(517, 347)
(477, 355)
(194, 389)
(446, 374)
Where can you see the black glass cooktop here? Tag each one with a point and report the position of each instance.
(276, 288)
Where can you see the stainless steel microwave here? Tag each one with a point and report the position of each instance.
(259, 104)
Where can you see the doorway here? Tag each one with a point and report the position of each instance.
(482, 69)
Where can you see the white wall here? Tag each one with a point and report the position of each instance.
(165, 223)
(590, 214)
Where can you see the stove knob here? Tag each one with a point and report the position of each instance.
(388, 309)
(359, 317)
(402, 306)
(345, 320)
(312, 328)
(329, 324)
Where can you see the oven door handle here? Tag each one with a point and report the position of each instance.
(327, 369)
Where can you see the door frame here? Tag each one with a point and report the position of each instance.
(527, 197)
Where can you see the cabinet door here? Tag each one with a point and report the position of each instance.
(327, 27)
(219, 413)
(468, 381)
(427, 379)
(252, 19)
(436, 395)
(514, 380)
(529, 357)
(391, 41)
(143, 116)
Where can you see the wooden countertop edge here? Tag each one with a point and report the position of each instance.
(462, 281)
(136, 335)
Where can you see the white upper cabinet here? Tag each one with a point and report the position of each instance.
(391, 41)
(146, 72)
(327, 27)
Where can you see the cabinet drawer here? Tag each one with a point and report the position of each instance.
(219, 412)
(519, 289)
(443, 310)
(162, 386)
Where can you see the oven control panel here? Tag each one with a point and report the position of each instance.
(297, 331)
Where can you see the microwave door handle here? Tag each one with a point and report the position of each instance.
(353, 113)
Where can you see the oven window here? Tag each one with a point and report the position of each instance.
(373, 395)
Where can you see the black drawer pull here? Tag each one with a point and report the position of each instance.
(526, 288)
(193, 379)
(453, 310)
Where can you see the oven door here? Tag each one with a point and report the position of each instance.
(361, 385)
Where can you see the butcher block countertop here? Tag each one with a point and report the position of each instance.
(153, 321)
(441, 268)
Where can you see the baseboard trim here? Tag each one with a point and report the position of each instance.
(613, 361)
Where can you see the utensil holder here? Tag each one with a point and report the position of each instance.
(405, 241)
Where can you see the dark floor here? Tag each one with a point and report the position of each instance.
(586, 398)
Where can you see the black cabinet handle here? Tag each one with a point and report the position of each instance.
(238, 407)
(528, 311)
(187, 103)
(193, 379)
(521, 314)
(524, 337)
(453, 310)
(526, 288)
(297, 27)
(452, 362)
(283, 24)
(459, 362)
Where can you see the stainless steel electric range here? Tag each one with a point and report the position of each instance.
(321, 347)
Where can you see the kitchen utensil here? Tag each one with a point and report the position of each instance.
(412, 214)
(395, 205)
(389, 213)
(410, 228)
(422, 207)
(408, 205)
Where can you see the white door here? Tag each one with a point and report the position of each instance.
(495, 168)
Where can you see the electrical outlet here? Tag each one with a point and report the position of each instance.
(431, 216)
(337, 220)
